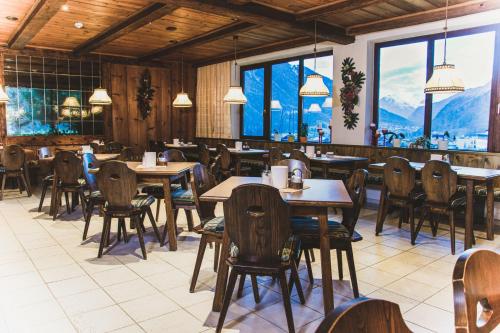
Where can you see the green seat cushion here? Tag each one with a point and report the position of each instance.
(307, 226)
(215, 225)
(482, 191)
(143, 200)
(183, 196)
(458, 200)
(292, 245)
(157, 189)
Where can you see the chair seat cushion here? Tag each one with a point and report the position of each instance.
(291, 246)
(157, 189)
(215, 225)
(143, 200)
(482, 191)
(183, 196)
(48, 179)
(309, 227)
(458, 200)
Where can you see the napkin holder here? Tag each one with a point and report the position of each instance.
(296, 181)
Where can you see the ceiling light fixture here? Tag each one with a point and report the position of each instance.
(100, 95)
(235, 93)
(171, 28)
(182, 100)
(65, 8)
(444, 79)
(314, 86)
(79, 25)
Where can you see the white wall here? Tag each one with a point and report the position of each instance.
(362, 50)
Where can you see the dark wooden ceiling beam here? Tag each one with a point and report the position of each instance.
(135, 21)
(335, 7)
(263, 15)
(39, 14)
(225, 31)
(272, 47)
(462, 9)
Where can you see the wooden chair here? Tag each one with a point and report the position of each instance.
(48, 180)
(96, 148)
(182, 197)
(400, 190)
(114, 147)
(296, 164)
(258, 223)
(128, 154)
(227, 165)
(211, 228)
(475, 282)
(118, 185)
(95, 197)
(275, 155)
(68, 169)
(363, 315)
(301, 156)
(203, 154)
(442, 198)
(14, 166)
(342, 234)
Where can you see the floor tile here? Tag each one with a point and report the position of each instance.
(148, 307)
(102, 320)
(431, 318)
(85, 302)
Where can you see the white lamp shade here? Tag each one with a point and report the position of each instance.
(66, 112)
(314, 108)
(314, 87)
(327, 103)
(276, 105)
(4, 98)
(100, 97)
(444, 80)
(96, 109)
(235, 96)
(71, 102)
(182, 101)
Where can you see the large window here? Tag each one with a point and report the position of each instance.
(403, 68)
(38, 87)
(274, 107)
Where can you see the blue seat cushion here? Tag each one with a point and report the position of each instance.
(157, 189)
(142, 200)
(215, 225)
(307, 226)
(183, 196)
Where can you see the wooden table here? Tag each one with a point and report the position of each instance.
(314, 201)
(238, 155)
(470, 176)
(325, 161)
(163, 174)
(181, 147)
(99, 157)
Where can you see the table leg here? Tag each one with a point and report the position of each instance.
(325, 171)
(237, 166)
(170, 224)
(222, 272)
(53, 191)
(381, 209)
(326, 264)
(469, 214)
(490, 209)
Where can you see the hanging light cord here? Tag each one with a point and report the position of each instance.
(315, 42)
(182, 73)
(445, 31)
(235, 61)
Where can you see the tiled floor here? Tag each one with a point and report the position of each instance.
(51, 281)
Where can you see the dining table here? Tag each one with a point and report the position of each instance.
(313, 201)
(163, 174)
(240, 154)
(326, 161)
(471, 177)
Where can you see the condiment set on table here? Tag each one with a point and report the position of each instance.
(279, 178)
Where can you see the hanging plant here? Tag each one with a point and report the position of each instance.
(145, 94)
(349, 94)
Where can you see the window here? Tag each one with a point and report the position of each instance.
(37, 88)
(402, 69)
(274, 87)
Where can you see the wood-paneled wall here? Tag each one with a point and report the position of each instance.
(124, 122)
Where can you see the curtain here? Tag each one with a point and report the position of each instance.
(213, 116)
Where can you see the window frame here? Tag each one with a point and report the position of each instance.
(267, 91)
(431, 39)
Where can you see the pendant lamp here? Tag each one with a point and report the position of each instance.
(182, 100)
(444, 79)
(70, 103)
(100, 95)
(235, 93)
(4, 98)
(314, 108)
(314, 86)
(276, 104)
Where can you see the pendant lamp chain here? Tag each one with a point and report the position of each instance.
(235, 38)
(315, 44)
(445, 32)
(182, 72)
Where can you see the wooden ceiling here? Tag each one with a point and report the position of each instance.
(202, 30)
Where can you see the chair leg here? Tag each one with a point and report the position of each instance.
(352, 271)
(423, 214)
(138, 228)
(339, 264)
(88, 216)
(241, 285)
(411, 217)
(199, 260)
(189, 217)
(452, 231)
(216, 256)
(227, 298)
(158, 205)
(68, 207)
(105, 223)
(45, 186)
(295, 276)
(26, 185)
(311, 252)
(401, 217)
(19, 185)
(57, 204)
(124, 231)
(308, 265)
(286, 302)
(255, 288)
(119, 231)
(4, 177)
(153, 223)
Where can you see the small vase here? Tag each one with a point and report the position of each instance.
(303, 139)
